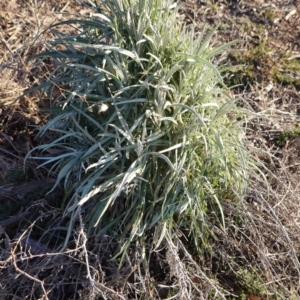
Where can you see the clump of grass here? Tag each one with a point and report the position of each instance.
(269, 14)
(147, 138)
(251, 281)
(254, 65)
(287, 135)
(288, 73)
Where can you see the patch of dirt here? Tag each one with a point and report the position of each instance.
(25, 203)
(22, 34)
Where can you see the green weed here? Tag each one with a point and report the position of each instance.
(288, 135)
(145, 135)
(251, 282)
(269, 14)
(289, 73)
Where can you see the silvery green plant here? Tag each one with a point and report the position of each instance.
(146, 136)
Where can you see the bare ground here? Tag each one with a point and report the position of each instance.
(257, 260)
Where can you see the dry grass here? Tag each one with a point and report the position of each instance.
(263, 244)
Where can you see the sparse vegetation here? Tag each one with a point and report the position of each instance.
(269, 14)
(287, 135)
(251, 282)
(288, 73)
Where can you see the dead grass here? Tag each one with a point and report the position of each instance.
(263, 245)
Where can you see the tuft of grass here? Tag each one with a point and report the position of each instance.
(251, 66)
(288, 73)
(269, 14)
(251, 282)
(147, 136)
(287, 135)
